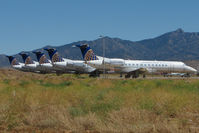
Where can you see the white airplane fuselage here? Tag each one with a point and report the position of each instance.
(126, 66)
(74, 65)
(47, 68)
(20, 67)
(39, 68)
(31, 67)
(157, 66)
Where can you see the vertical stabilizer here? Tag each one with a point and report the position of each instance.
(13, 61)
(41, 57)
(87, 52)
(26, 58)
(54, 55)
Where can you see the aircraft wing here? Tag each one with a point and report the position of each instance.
(132, 70)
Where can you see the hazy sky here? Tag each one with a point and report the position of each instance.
(30, 24)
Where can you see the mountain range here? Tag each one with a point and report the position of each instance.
(176, 45)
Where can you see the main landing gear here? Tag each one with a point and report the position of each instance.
(121, 75)
(133, 74)
(94, 74)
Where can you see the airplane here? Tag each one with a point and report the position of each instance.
(15, 64)
(45, 65)
(30, 65)
(133, 67)
(34, 66)
(76, 66)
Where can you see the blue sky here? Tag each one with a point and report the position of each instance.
(29, 24)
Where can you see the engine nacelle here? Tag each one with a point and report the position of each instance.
(114, 62)
(69, 63)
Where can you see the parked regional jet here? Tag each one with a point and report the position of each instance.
(45, 65)
(33, 66)
(30, 65)
(77, 66)
(133, 67)
(15, 64)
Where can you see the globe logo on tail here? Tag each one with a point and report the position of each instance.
(43, 60)
(57, 58)
(89, 56)
(28, 60)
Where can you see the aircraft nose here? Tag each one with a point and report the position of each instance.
(194, 70)
(191, 69)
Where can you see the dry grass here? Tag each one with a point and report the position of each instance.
(49, 103)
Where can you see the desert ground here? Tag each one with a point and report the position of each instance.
(76, 103)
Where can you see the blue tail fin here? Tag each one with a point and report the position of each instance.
(41, 57)
(13, 60)
(54, 55)
(26, 58)
(87, 52)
